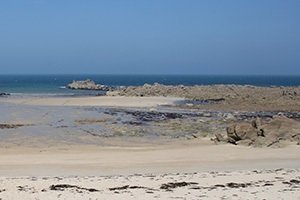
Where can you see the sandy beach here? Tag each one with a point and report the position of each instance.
(191, 170)
(55, 148)
(175, 100)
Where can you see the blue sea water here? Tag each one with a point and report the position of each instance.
(54, 84)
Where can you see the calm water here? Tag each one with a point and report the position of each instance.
(54, 84)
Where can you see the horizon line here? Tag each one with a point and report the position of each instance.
(138, 74)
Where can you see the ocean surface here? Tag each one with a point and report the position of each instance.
(55, 84)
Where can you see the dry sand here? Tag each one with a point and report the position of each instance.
(185, 156)
(202, 171)
(256, 184)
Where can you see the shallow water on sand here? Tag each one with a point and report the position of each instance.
(72, 125)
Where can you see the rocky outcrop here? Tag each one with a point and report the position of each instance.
(244, 131)
(222, 97)
(3, 94)
(87, 85)
(277, 132)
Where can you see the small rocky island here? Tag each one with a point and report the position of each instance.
(87, 85)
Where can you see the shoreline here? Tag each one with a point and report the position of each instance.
(133, 147)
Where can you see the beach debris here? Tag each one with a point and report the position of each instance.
(125, 187)
(172, 185)
(228, 116)
(292, 182)
(26, 188)
(200, 101)
(150, 116)
(289, 92)
(93, 121)
(62, 187)
(146, 116)
(268, 184)
(12, 126)
(238, 185)
(219, 186)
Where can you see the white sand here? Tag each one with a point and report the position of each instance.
(29, 173)
(265, 184)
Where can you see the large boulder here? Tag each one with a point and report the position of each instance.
(276, 132)
(241, 131)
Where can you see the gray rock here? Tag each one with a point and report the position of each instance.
(246, 142)
(241, 131)
(4, 94)
(87, 85)
(275, 133)
(228, 116)
(219, 138)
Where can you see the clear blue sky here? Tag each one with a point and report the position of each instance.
(150, 36)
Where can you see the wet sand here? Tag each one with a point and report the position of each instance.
(117, 101)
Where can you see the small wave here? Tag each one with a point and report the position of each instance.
(66, 94)
(41, 94)
(62, 87)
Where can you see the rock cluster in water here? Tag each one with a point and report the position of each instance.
(87, 85)
(3, 94)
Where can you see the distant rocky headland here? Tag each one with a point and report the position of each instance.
(236, 114)
(221, 97)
